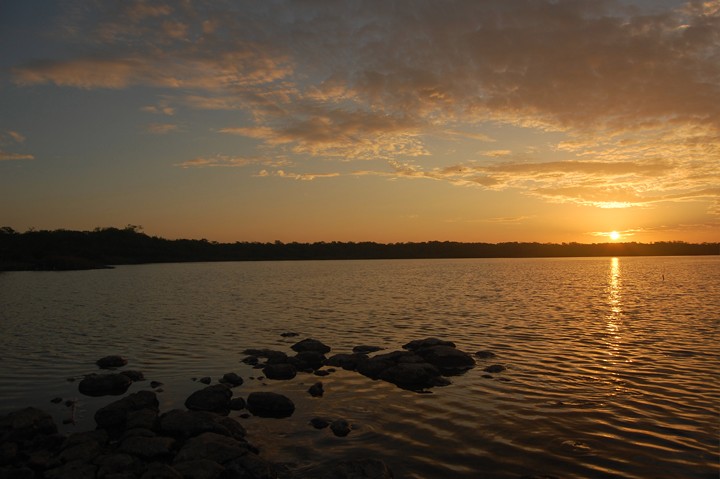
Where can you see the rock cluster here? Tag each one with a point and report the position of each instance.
(134, 440)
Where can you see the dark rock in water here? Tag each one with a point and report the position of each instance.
(364, 349)
(485, 354)
(321, 372)
(184, 424)
(113, 361)
(280, 371)
(412, 376)
(155, 384)
(211, 446)
(72, 470)
(104, 385)
(267, 404)
(289, 335)
(340, 427)
(249, 466)
(232, 379)
(116, 414)
(212, 398)
(446, 358)
(26, 424)
(319, 422)
(237, 404)
(56, 400)
(495, 368)
(159, 470)
(269, 354)
(316, 390)
(205, 380)
(308, 360)
(251, 360)
(352, 469)
(427, 343)
(348, 362)
(133, 375)
(310, 344)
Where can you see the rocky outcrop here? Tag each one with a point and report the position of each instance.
(310, 344)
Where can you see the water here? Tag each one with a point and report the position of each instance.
(612, 364)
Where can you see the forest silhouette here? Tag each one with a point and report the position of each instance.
(102, 247)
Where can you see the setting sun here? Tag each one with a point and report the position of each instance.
(614, 235)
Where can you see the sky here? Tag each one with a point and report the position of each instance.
(349, 120)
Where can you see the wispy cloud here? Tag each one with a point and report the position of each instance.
(161, 128)
(231, 161)
(12, 139)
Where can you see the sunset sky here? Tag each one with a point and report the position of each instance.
(388, 121)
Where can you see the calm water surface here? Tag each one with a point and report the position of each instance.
(612, 363)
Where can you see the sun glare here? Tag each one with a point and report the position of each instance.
(614, 235)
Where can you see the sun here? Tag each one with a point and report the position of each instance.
(614, 235)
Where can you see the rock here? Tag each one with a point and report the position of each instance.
(199, 469)
(363, 349)
(321, 372)
(446, 358)
(133, 375)
(495, 368)
(211, 446)
(147, 447)
(316, 390)
(413, 376)
(205, 380)
(251, 360)
(348, 362)
(113, 361)
(159, 470)
(280, 371)
(269, 354)
(155, 384)
(268, 404)
(232, 379)
(340, 427)
(237, 404)
(310, 344)
(426, 343)
(485, 354)
(115, 463)
(115, 415)
(289, 335)
(56, 400)
(319, 422)
(96, 385)
(185, 424)
(250, 466)
(308, 360)
(21, 472)
(72, 470)
(26, 424)
(214, 398)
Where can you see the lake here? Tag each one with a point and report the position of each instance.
(612, 364)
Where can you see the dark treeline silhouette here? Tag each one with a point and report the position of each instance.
(65, 249)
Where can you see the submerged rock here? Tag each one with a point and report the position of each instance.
(495, 368)
(340, 427)
(316, 390)
(232, 379)
(268, 404)
(113, 361)
(104, 385)
(310, 344)
(280, 371)
(140, 408)
(214, 398)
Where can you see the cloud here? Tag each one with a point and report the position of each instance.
(623, 104)
(7, 156)
(297, 176)
(231, 161)
(161, 128)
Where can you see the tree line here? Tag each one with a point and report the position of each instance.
(65, 249)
